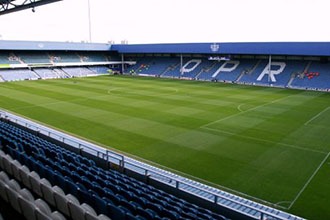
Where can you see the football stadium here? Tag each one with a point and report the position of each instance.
(163, 130)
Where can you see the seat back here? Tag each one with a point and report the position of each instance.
(12, 189)
(28, 208)
(77, 212)
(35, 183)
(43, 207)
(7, 164)
(15, 166)
(3, 193)
(4, 177)
(23, 173)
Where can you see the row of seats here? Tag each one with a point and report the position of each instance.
(67, 204)
(18, 74)
(43, 58)
(22, 200)
(99, 69)
(248, 71)
(78, 71)
(88, 185)
(45, 73)
(115, 195)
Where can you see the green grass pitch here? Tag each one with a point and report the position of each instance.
(267, 144)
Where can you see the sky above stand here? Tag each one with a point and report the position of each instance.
(171, 21)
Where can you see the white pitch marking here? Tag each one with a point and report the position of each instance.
(251, 109)
(264, 140)
(239, 107)
(309, 180)
(113, 89)
(283, 202)
(310, 120)
(174, 91)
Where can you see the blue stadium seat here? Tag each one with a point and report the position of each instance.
(115, 212)
(71, 187)
(129, 206)
(99, 204)
(83, 194)
(156, 207)
(170, 214)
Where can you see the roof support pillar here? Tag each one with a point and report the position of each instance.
(181, 64)
(269, 67)
(122, 63)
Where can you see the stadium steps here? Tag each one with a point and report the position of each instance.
(20, 60)
(35, 73)
(254, 67)
(293, 77)
(250, 72)
(308, 65)
(1, 79)
(50, 58)
(170, 68)
(61, 74)
(241, 75)
(206, 70)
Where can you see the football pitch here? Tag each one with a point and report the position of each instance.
(267, 144)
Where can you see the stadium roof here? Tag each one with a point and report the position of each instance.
(9, 6)
(270, 48)
(51, 46)
(259, 48)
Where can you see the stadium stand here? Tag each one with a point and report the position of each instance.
(78, 71)
(33, 57)
(284, 73)
(251, 75)
(60, 57)
(99, 69)
(192, 68)
(32, 65)
(47, 73)
(316, 77)
(141, 67)
(173, 71)
(92, 57)
(207, 73)
(18, 74)
(230, 76)
(156, 66)
(111, 193)
(298, 74)
(22, 199)
(8, 58)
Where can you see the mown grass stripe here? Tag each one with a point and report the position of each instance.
(261, 149)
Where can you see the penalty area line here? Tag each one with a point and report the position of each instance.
(264, 140)
(313, 118)
(308, 181)
(241, 112)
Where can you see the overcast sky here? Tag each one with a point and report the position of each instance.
(172, 21)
